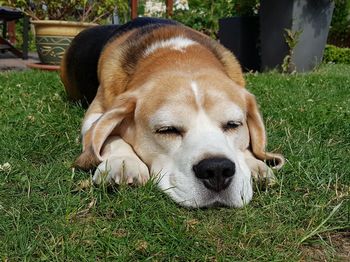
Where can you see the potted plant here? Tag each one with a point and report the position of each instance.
(294, 33)
(57, 22)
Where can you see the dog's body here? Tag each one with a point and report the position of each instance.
(167, 101)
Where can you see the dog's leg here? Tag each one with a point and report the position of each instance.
(121, 165)
(260, 172)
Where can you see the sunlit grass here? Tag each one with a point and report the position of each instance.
(48, 213)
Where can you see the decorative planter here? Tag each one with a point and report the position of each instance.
(310, 18)
(241, 36)
(53, 37)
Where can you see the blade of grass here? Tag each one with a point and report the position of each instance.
(316, 230)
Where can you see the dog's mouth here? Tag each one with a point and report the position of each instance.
(203, 199)
(216, 204)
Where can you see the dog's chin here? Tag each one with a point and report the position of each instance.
(193, 194)
(212, 200)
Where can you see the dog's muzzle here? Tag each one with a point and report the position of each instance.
(215, 173)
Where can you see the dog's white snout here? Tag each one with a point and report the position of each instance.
(207, 145)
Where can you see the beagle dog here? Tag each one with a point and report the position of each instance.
(168, 102)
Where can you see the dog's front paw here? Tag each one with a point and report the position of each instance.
(261, 173)
(121, 170)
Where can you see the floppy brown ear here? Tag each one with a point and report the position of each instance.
(98, 133)
(258, 135)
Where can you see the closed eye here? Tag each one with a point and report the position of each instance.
(231, 125)
(168, 130)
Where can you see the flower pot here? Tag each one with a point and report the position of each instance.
(241, 36)
(310, 18)
(53, 37)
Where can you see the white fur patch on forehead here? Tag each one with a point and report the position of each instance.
(178, 43)
(197, 94)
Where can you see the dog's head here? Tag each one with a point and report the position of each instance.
(191, 124)
(192, 132)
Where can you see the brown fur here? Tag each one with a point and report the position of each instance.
(117, 74)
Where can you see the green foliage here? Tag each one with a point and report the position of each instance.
(247, 7)
(339, 33)
(292, 39)
(74, 10)
(338, 55)
(204, 15)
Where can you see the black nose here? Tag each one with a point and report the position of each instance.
(215, 173)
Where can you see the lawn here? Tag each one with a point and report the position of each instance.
(48, 211)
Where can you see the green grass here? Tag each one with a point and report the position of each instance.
(46, 214)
